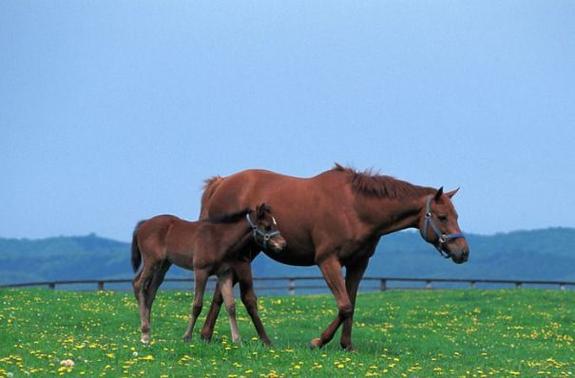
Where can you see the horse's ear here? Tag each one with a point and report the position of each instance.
(261, 210)
(452, 193)
(438, 194)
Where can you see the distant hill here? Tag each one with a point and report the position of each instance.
(539, 254)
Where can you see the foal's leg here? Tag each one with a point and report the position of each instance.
(243, 272)
(210, 322)
(155, 281)
(201, 278)
(331, 270)
(353, 275)
(227, 285)
(136, 286)
(141, 287)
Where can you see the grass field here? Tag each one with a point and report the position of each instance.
(474, 333)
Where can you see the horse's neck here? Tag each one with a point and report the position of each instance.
(387, 215)
(232, 236)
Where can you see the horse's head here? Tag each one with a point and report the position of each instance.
(266, 233)
(438, 226)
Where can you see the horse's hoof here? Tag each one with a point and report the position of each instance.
(267, 342)
(145, 339)
(206, 338)
(315, 343)
(348, 348)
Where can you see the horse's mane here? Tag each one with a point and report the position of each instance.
(210, 186)
(228, 218)
(378, 185)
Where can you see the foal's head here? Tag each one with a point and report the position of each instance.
(438, 226)
(265, 230)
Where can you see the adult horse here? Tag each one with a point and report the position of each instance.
(334, 220)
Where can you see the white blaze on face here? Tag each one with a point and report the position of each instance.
(274, 220)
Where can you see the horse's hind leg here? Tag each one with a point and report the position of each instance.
(201, 278)
(210, 322)
(136, 286)
(141, 288)
(158, 274)
(331, 270)
(227, 285)
(157, 280)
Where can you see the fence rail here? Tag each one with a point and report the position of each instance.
(381, 283)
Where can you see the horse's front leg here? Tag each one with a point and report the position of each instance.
(217, 300)
(353, 276)
(210, 322)
(331, 270)
(201, 278)
(243, 272)
(227, 285)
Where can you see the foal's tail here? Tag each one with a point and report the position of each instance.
(136, 254)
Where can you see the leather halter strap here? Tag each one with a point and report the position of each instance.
(266, 236)
(441, 237)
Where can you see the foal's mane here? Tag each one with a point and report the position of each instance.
(374, 184)
(229, 218)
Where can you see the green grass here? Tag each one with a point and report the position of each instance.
(399, 333)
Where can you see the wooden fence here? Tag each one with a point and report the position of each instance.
(311, 283)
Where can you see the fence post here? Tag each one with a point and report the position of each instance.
(382, 285)
(428, 284)
(518, 285)
(52, 285)
(472, 284)
(291, 286)
(100, 285)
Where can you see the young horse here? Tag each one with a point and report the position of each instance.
(335, 220)
(206, 247)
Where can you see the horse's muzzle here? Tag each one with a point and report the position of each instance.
(277, 244)
(461, 256)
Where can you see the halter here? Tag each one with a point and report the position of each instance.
(441, 237)
(266, 236)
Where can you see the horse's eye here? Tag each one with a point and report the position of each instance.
(442, 218)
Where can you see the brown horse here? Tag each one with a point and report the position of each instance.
(206, 247)
(335, 220)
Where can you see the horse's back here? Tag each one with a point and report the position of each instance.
(167, 237)
(242, 185)
(151, 234)
(300, 205)
(247, 189)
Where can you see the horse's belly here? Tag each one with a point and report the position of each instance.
(183, 259)
(292, 257)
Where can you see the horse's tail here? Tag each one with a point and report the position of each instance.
(210, 186)
(136, 254)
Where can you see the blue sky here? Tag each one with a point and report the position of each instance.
(114, 111)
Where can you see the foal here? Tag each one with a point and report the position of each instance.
(207, 248)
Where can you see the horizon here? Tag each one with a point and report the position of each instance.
(114, 112)
(99, 236)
